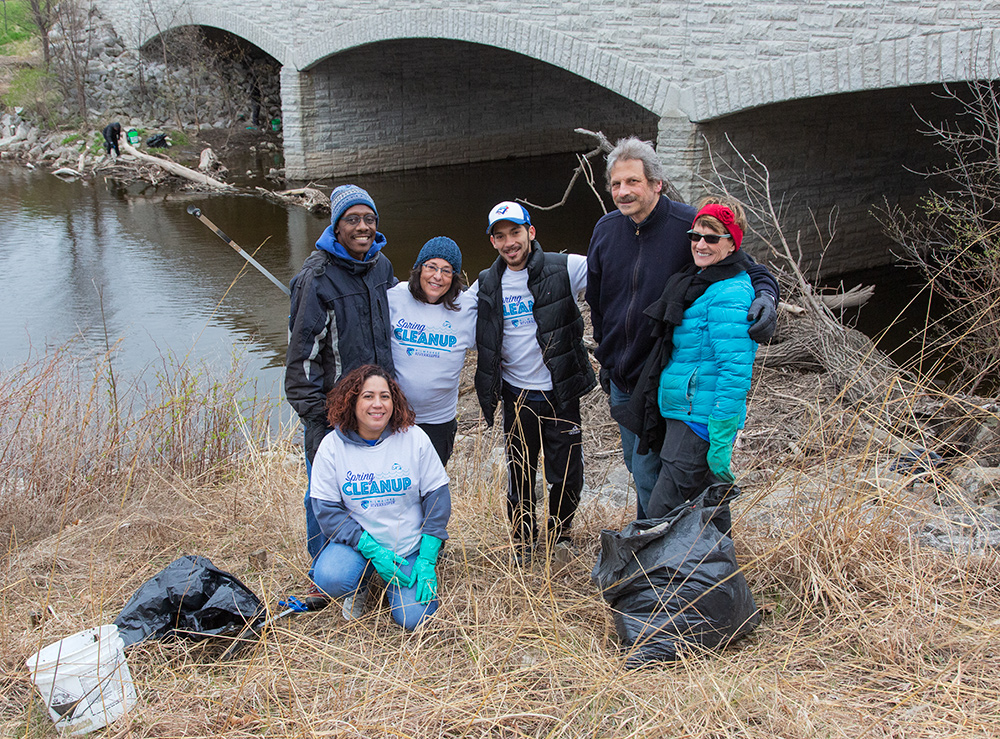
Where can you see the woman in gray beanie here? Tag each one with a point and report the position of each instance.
(433, 322)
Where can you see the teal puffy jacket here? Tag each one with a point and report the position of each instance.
(709, 372)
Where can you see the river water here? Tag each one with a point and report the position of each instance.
(92, 264)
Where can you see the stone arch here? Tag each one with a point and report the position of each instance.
(611, 71)
(238, 25)
(954, 56)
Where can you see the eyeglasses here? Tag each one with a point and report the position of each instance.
(711, 239)
(445, 271)
(354, 219)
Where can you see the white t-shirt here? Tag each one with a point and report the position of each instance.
(521, 360)
(381, 486)
(428, 350)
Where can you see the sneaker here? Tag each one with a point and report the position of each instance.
(355, 603)
(316, 599)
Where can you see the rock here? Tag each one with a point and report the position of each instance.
(978, 483)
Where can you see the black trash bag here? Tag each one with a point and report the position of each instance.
(674, 581)
(190, 597)
(158, 141)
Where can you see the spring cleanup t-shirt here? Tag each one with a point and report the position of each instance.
(521, 358)
(428, 350)
(381, 486)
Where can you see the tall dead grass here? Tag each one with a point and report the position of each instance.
(865, 633)
(73, 439)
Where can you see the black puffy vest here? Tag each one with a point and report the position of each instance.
(559, 330)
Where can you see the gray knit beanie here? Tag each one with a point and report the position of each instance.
(440, 247)
(346, 196)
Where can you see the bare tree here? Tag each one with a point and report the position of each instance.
(42, 15)
(953, 235)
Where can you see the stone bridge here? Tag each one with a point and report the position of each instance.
(826, 92)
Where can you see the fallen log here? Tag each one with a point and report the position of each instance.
(175, 169)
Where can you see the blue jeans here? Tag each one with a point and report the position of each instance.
(340, 570)
(645, 468)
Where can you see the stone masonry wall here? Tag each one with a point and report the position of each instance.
(418, 103)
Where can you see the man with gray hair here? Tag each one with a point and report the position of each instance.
(633, 252)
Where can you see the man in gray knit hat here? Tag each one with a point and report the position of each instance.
(339, 318)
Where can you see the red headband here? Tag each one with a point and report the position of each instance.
(725, 215)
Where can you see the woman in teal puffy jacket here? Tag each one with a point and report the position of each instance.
(703, 389)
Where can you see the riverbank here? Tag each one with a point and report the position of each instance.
(865, 628)
(81, 152)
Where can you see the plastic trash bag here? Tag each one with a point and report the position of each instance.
(190, 597)
(674, 581)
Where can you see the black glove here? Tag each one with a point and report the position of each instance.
(604, 377)
(764, 316)
(314, 433)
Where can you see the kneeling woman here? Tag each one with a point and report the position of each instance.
(381, 497)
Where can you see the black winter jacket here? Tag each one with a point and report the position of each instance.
(339, 321)
(559, 330)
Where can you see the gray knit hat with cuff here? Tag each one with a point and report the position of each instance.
(440, 247)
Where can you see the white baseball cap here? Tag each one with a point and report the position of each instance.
(508, 211)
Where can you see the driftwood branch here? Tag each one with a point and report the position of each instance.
(175, 169)
(585, 169)
(308, 197)
(856, 296)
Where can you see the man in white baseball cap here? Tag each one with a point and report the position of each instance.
(529, 335)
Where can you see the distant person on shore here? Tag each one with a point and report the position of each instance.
(633, 252)
(112, 132)
(697, 378)
(529, 335)
(339, 319)
(433, 321)
(381, 497)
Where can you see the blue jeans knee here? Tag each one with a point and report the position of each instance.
(338, 570)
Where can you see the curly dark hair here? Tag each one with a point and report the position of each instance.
(343, 400)
(450, 298)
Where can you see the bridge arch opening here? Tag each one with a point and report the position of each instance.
(421, 102)
(209, 76)
(844, 155)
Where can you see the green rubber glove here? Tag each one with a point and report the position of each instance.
(423, 568)
(721, 435)
(385, 561)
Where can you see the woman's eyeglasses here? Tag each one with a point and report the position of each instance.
(354, 219)
(445, 271)
(711, 239)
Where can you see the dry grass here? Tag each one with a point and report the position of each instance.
(865, 634)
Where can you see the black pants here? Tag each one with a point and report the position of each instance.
(684, 474)
(530, 426)
(442, 436)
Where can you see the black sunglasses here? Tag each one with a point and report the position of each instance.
(711, 239)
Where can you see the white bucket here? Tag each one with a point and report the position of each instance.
(84, 679)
